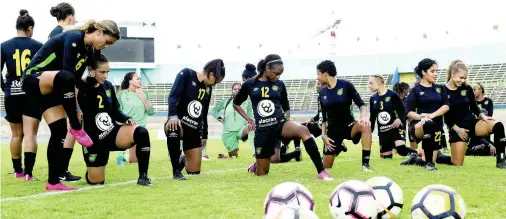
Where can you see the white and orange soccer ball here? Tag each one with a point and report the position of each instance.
(353, 199)
(288, 193)
(388, 194)
(438, 202)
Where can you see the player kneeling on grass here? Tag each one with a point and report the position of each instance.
(388, 110)
(270, 99)
(187, 122)
(101, 114)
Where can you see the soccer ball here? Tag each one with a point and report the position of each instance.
(291, 212)
(388, 194)
(438, 202)
(353, 199)
(288, 193)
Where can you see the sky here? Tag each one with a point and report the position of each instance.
(283, 26)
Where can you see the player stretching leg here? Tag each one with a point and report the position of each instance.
(22, 113)
(101, 113)
(269, 97)
(188, 108)
(466, 120)
(51, 76)
(235, 128)
(338, 120)
(65, 15)
(388, 110)
(427, 103)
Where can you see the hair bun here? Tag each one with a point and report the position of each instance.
(23, 12)
(250, 67)
(55, 11)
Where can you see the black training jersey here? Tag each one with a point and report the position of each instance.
(336, 103)
(269, 101)
(65, 51)
(189, 101)
(57, 30)
(385, 109)
(463, 108)
(16, 54)
(427, 100)
(100, 109)
(487, 104)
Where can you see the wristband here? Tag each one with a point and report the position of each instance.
(78, 110)
(323, 136)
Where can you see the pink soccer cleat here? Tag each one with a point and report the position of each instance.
(81, 137)
(28, 177)
(19, 175)
(59, 187)
(252, 168)
(324, 175)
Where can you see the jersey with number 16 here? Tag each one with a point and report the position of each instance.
(16, 55)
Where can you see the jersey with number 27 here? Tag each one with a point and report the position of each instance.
(269, 100)
(16, 55)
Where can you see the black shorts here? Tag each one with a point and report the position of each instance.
(313, 128)
(469, 125)
(338, 134)
(50, 100)
(266, 139)
(191, 137)
(411, 133)
(18, 105)
(387, 139)
(98, 154)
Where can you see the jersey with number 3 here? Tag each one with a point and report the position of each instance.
(189, 101)
(385, 109)
(15, 55)
(269, 100)
(100, 109)
(63, 52)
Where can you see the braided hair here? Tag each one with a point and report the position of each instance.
(217, 67)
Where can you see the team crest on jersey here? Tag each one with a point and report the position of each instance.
(207, 90)
(265, 108)
(438, 89)
(387, 99)
(463, 93)
(486, 102)
(108, 93)
(275, 88)
(194, 109)
(104, 123)
(340, 92)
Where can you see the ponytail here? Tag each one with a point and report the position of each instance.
(126, 80)
(454, 67)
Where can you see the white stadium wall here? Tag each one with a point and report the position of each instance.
(348, 65)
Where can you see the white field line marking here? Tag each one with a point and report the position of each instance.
(211, 172)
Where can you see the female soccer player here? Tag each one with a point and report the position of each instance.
(402, 89)
(22, 115)
(388, 110)
(134, 102)
(187, 119)
(235, 127)
(465, 119)
(51, 77)
(65, 15)
(101, 113)
(427, 103)
(338, 120)
(270, 104)
(483, 101)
